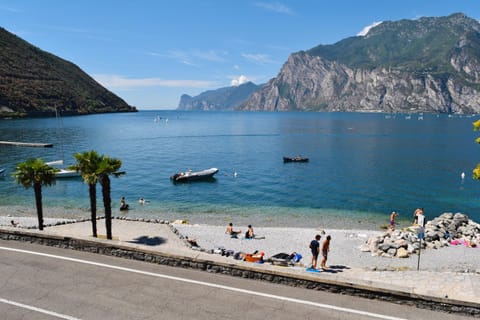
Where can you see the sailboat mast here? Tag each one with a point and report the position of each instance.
(59, 133)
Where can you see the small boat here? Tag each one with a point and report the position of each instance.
(65, 173)
(295, 159)
(192, 176)
(2, 171)
(61, 172)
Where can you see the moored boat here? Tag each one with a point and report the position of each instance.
(62, 172)
(192, 175)
(295, 159)
(65, 173)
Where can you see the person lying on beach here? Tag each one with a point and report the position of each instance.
(193, 242)
(256, 256)
(231, 232)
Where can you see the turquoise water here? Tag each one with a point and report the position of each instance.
(362, 166)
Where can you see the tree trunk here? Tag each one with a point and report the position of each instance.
(107, 203)
(38, 200)
(92, 189)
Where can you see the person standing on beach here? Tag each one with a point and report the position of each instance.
(325, 250)
(421, 225)
(417, 212)
(393, 215)
(315, 248)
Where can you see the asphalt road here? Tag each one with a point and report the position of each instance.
(38, 282)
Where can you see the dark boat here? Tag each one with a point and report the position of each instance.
(193, 176)
(295, 159)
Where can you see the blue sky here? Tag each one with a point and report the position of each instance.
(150, 52)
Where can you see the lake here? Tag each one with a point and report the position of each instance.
(362, 166)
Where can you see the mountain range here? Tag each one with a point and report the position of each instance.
(221, 99)
(431, 64)
(34, 83)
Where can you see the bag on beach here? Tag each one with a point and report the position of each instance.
(238, 255)
(296, 257)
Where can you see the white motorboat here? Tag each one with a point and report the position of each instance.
(193, 176)
(65, 173)
(61, 172)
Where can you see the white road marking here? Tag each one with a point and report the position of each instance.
(212, 285)
(26, 306)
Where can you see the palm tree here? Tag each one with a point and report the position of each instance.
(107, 166)
(87, 164)
(36, 173)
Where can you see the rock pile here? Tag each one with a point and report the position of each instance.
(442, 231)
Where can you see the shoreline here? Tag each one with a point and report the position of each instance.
(289, 217)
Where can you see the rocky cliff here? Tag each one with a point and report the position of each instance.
(221, 99)
(34, 82)
(424, 65)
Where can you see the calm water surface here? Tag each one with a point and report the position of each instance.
(361, 166)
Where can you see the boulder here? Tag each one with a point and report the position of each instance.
(392, 251)
(411, 248)
(365, 248)
(384, 247)
(402, 253)
(461, 217)
(446, 215)
(438, 233)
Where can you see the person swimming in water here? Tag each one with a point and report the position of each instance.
(123, 204)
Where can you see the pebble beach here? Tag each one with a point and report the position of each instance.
(344, 248)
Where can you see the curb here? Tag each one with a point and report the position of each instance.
(105, 247)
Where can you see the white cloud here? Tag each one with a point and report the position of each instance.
(10, 9)
(240, 80)
(258, 58)
(367, 28)
(209, 55)
(120, 82)
(275, 7)
(188, 57)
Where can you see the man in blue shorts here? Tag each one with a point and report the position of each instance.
(315, 248)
